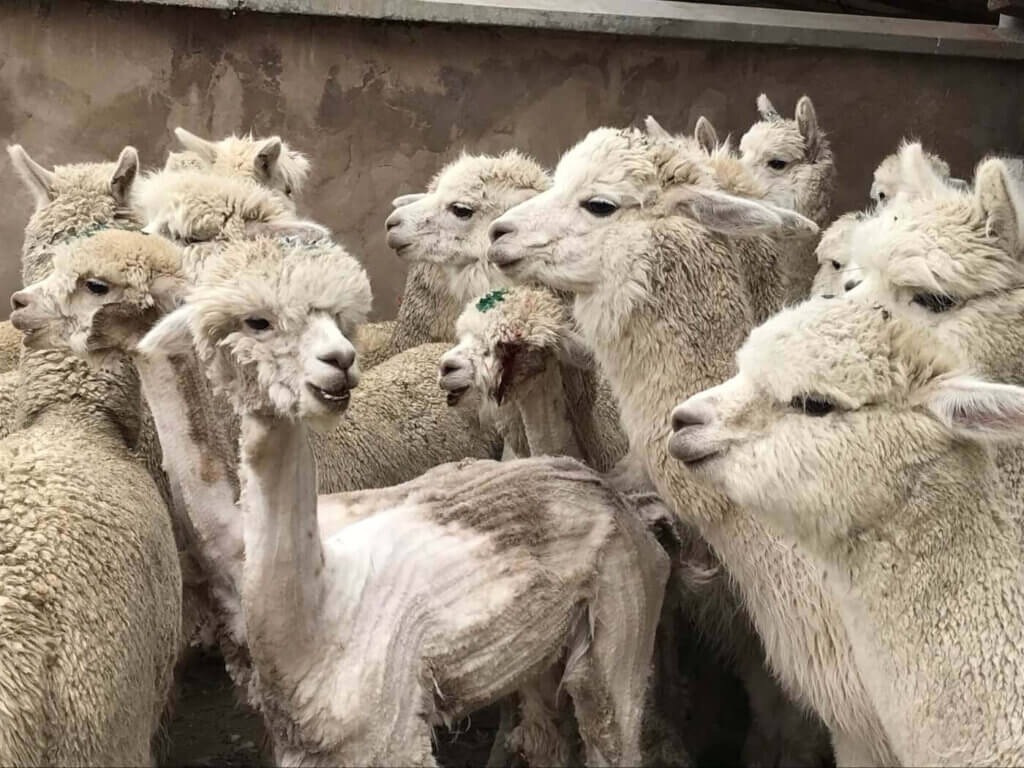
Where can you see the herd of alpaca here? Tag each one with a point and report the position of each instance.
(654, 394)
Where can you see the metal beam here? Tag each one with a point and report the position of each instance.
(657, 18)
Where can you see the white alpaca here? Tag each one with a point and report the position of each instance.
(442, 233)
(891, 181)
(659, 262)
(480, 579)
(92, 601)
(922, 555)
(269, 162)
(518, 350)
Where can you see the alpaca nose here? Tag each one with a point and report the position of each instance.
(20, 300)
(849, 285)
(341, 359)
(392, 221)
(448, 367)
(688, 416)
(499, 229)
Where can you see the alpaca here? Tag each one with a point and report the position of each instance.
(570, 558)
(658, 262)
(836, 268)
(515, 346)
(890, 181)
(93, 593)
(442, 233)
(922, 555)
(518, 350)
(269, 162)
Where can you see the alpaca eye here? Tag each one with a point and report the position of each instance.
(257, 323)
(599, 206)
(881, 195)
(777, 165)
(288, 190)
(812, 405)
(934, 302)
(461, 211)
(836, 265)
(97, 287)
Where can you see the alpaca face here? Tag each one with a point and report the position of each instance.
(837, 271)
(103, 294)
(861, 394)
(272, 321)
(448, 225)
(889, 181)
(787, 157)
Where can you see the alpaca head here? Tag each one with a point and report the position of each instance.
(505, 338)
(103, 295)
(270, 320)
(72, 201)
(448, 224)
(892, 178)
(612, 196)
(791, 159)
(837, 271)
(936, 252)
(833, 399)
(269, 162)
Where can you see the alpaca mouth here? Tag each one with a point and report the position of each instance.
(332, 398)
(455, 395)
(692, 454)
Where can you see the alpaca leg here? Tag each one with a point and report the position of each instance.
(608, 670)
(546, 733)
(502, 753)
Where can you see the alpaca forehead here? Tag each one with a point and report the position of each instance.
(605, 158)
(81, 177)
(781, 139)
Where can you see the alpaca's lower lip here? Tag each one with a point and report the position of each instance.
(333, 398)
(455, 395)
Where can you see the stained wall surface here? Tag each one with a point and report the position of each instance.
(381, 106)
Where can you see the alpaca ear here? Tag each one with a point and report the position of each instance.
(124, 174)
(40, 182)
(401, 200)
(706, 135)
(917, 171)
(119, 325)
(168, 292)
(741, 217)
(507, 354)
(807, 123)
(574, 352)
(978, 410)
(654, 129)
(766, 109)
(267, 157)
(205, 149)
(1001, 205)
(172, 335)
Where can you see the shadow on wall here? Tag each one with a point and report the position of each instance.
(380, 107)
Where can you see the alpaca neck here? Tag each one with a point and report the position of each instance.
(545, 415)
(201, 475)
(283, 576)
(471, 281)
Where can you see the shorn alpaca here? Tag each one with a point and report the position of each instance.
(867, 444)
(481, 586)
(659, 262)
(443, 234)
(518, 349)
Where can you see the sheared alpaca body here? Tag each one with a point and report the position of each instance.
(483, 589)
(639, 293)
(920, 545)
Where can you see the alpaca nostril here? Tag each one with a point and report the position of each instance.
(19, 300)
(499, 229)
(850, 285)
(391, 223)
(683, 417)
(342, 359)
(448, 368)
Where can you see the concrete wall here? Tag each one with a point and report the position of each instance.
(380, 106)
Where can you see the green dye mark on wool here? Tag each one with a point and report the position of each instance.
(491, 299)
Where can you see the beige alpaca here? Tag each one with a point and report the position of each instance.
(867, 446)
(659, 262)
(442, 233)
(92, 617)
(282, 368)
